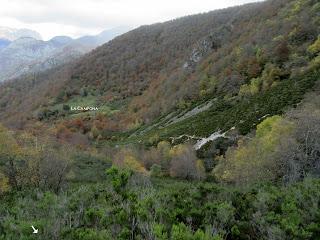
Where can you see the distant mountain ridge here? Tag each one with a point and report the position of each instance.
(103, 37)
(61, 40)
(13, 33)
(28, 54)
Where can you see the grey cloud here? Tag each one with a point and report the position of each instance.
(101, 14)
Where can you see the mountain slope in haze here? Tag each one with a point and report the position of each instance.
(61, 40)
(13, 33)
(29, 55)
(103, 37)
(15, 58)
(4, 43)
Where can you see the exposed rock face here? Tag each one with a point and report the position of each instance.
(211, 43)
(202, 48)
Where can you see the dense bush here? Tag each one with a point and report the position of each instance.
(128, 206)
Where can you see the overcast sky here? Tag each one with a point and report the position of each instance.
(82, 17)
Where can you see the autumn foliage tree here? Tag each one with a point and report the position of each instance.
(10, 153)
(128, 159)
(26, 160)
(256, 159)
(184, 163)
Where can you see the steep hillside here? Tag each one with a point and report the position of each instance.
(232, 56)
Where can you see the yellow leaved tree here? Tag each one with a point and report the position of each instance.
(315, 47)
(127, 158)
(255, 159)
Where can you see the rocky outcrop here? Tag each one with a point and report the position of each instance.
(210, 43)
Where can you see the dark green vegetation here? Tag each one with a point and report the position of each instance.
(243, 113)
(133, 207)
(130, 170)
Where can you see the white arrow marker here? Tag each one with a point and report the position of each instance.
(34, 230)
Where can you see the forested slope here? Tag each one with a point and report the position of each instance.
(156, 69)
